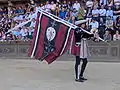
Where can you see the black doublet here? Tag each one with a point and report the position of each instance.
(80, 34)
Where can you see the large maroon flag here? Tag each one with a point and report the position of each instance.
(51, 38)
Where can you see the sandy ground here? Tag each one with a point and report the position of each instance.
(34, 75)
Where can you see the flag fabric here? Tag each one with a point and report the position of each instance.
(74, 49)
(34, 42)
(51, 38)
(52, 56)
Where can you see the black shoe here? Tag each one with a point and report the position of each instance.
(79, 80)
(82, 78)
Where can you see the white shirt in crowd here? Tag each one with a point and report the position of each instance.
(30, 31)
(116, 37)
(117, 2)
(109, 13)
(47, 7)
(109, 24)
(58, 0)
(102, 12)
(89, 4)
(32, 24)
(37, 8)
(9, 11)
(20, 17)
(103, 1)
(76, 6)
(94, 24)
(32, 15)
(23, 32)
(95, 12)
(53, 6)
(42, 7)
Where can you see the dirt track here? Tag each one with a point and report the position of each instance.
(34, 75)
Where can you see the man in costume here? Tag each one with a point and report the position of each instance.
(81, 51)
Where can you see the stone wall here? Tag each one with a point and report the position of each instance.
(98, 51)
(104, 52)
(14, 50)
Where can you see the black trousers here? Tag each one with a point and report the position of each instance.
(84, 64)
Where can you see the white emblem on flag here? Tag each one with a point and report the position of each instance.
(50, 33)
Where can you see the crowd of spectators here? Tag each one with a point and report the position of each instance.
(103, 17)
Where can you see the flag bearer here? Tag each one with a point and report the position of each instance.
(81, 44)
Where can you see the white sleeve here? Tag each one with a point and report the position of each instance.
(104, 12)
(97, 24)
(114, 38)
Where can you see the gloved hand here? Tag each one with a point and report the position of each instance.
(78, 30)
(77, 44)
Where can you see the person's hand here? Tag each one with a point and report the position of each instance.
(77, 44)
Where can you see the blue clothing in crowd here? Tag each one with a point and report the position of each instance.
(62, 14)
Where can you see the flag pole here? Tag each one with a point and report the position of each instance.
(72, 25)
(62, 20)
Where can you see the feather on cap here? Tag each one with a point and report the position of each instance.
(80, 22)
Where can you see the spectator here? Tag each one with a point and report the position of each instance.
(48, 6)
(33, 22)
(67, 18)
(70, 5)
(17, 18)
(16, 32)
(117, 24)
(109, 25)
(81, 14)
(89, 4)
(30, 32)
(57, 10)
(24, 33)
(2, 36)
(116, 2)
(109, 12)
(103, 2)
(76, 5)
(42, 6)
(72, 20)
(116, 11)
(64, 5)
(94, 29)
(116, 36)
(102, 27)
(75, 14)
(32, 14)
(107, 36)
(68, 13)
(20, 11)
(9, 37)
(53, 7)
(94, 26)
(58, 0)
(95, 13)
(62, 13)
(102, 13)
(96, 3)
(88, 17)
(19, 37)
